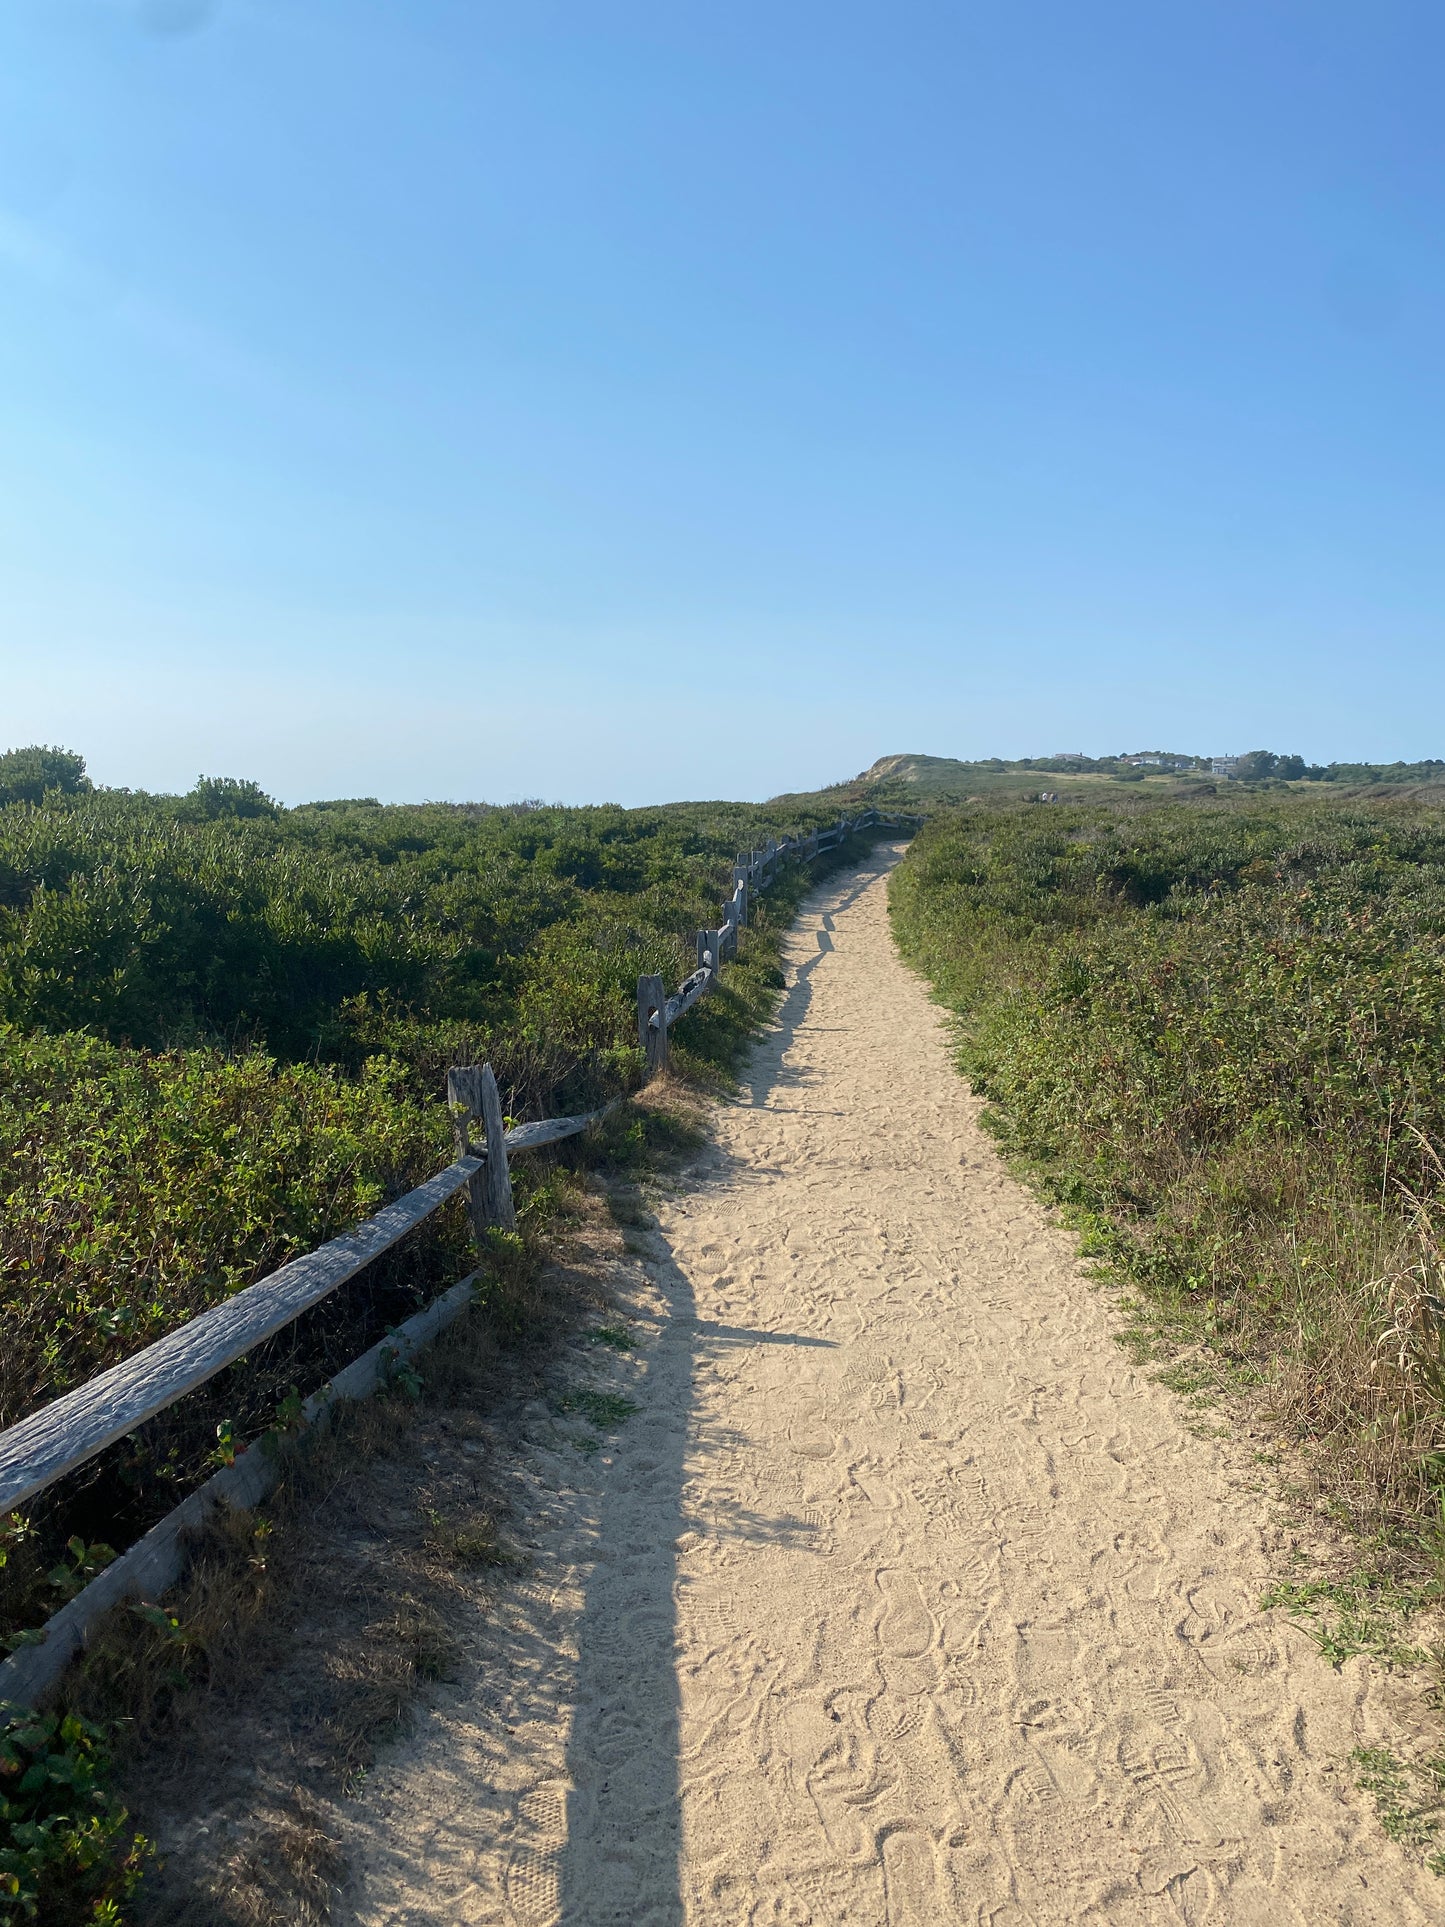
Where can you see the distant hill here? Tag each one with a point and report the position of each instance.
(920, 779)
(945, 779)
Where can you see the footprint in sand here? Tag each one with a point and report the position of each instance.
(533, 1882)
(906, 1636)
(838, 1766)
(910, 1880)
(906, 1628)
(809, 1435)
(1226, 1640)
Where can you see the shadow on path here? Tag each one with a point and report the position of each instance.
(621, 1863)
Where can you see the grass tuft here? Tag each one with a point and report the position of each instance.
(605, 1410)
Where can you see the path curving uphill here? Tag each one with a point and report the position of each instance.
(905, 1599)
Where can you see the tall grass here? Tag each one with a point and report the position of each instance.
(1216, 1031)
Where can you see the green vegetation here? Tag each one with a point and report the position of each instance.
(224, 1030)
(66, 1853)
(1366, 1612)
(1409, 1797)
(616, 1337)
(605, 1410)
(30, 775)
(1216, 1032)
(142, 1186)
(224, 1027)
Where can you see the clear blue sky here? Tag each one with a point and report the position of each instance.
(603, 400)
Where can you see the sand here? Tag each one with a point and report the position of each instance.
(905, 1597)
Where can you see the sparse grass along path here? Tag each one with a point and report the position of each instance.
(903, 1597)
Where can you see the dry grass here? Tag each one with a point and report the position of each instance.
(1315, 1307)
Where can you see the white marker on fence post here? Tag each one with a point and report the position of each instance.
(500, 1209)
(652, 1002)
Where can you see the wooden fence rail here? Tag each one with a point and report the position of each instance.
(72, 1429)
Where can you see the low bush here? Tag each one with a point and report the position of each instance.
(1217, 1033)
(67, 1855)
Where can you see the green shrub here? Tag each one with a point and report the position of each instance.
(137, 1188)
(66, 1853)
(30, 775)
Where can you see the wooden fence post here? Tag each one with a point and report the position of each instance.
(652, 998)
(464, 1101)
(498, 1180)
(472, 1093)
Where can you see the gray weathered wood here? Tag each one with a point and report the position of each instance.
(652, 1022)
(687, 995)
(550, 1130)
(709, 950)
(500, 1209)
(72, 1429)
(464, 1101)
(154, 1562)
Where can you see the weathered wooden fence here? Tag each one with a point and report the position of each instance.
(70, 1431)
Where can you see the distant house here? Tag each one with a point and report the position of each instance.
(1223, 765)
(1142, 762)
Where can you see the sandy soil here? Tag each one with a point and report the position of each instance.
(904, 1598)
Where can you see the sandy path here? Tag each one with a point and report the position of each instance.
(905, 1598)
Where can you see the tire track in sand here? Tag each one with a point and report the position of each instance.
(906, 1599)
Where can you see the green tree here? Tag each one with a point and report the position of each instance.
(27, 775)
(1256, 766)
(217, 796)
